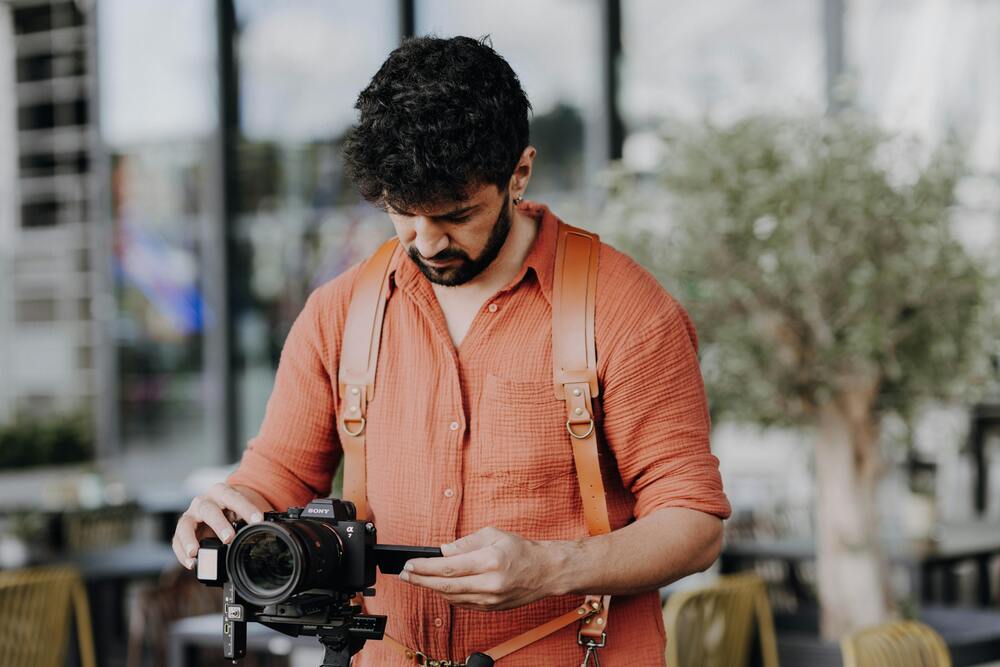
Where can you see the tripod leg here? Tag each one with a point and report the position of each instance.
(339, 650)
(336, 656)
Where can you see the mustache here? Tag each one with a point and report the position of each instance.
(440, 257)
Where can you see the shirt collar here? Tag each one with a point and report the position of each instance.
(540, 259)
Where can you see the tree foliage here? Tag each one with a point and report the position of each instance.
(811, 253)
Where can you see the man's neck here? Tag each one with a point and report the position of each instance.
(501, 270)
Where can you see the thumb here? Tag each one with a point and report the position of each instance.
(470, 542)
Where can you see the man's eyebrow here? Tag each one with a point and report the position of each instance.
(450, 214)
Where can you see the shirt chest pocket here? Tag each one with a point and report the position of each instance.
(522, 438)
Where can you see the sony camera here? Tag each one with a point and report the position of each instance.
(298, 571)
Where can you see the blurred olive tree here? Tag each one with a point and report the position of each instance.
(818, 261)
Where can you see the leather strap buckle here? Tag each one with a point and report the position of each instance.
(353, 434)
(590, 429)
(421, 658)
(590, 642)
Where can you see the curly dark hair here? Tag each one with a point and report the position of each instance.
(441, 116)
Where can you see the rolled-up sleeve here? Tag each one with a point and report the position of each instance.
(656, 418)
(293, 457)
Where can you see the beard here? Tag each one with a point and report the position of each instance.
(467, 268)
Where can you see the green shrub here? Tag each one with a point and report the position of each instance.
(35, 441)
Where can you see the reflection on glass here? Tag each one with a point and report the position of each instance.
(157, 70)
(157, 83)
(930, 69)
(299, 222)
(722, 60)
(303, 64)
(554, 47)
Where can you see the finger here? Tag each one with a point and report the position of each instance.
(185, 544)
(476, 584)
(461, 565)
(471, 542)
(211, 515)
(182, 557)
(229, 498)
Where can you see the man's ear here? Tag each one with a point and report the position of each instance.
(522, 172)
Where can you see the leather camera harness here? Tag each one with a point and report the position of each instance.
(574, 381)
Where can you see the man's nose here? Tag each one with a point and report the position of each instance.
(430, 239)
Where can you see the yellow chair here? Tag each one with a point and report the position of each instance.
(895, 644)
(713, 626)
(35, 606)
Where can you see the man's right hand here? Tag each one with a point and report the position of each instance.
(211, 514)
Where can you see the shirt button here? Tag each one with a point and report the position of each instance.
(448, 493)
(454, 426)
(438, 622)
(493, 308)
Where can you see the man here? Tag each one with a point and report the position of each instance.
(466, 443)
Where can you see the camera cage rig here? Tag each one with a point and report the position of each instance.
(340, 626)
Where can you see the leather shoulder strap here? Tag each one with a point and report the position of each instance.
(574, 292)
(358, 361)
(574, 361)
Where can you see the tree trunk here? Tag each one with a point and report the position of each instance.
(851, 571)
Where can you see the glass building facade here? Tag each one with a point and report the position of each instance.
(222, 125)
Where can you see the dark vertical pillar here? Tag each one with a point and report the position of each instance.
(100, 222)
(833, 33)
(407, 19)
(612, 58)
(218, 258)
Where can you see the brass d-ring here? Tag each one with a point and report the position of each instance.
(351, 433)
(580, 437)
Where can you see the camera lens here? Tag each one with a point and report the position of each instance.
(272, 561)
(266, 560)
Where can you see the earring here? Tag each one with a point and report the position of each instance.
(517, 200)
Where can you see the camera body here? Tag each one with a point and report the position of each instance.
(298, 572)
(317, 547)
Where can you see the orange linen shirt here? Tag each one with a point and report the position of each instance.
(462, 439)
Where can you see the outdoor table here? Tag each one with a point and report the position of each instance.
(971, 541)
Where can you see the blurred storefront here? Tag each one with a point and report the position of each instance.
(172, 189)
(177, 189)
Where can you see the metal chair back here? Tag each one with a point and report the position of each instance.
(35, 608)
(895, 644)
(713, 626)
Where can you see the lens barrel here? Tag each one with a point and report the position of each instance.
(271, 561)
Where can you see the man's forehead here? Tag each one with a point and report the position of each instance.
(477, 196)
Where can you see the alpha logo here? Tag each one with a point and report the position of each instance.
(350, 532)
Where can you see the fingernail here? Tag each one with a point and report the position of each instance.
(408, 567)
(227, 535)
(191, 550)
(256, 517)
(189, 563)
(404, 575)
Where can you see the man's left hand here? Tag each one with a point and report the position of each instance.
(488, 570)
